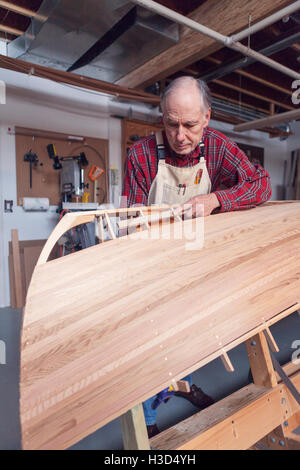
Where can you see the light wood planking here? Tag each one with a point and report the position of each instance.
(109, 326)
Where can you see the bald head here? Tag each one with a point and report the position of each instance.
(186, 112)
(189, 86)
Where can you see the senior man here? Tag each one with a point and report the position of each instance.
(190, 163)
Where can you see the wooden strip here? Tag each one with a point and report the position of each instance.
(76, 80)
(10, 30)
(20, 10)
(146, 225)
(17, 269)
(272, 341)
(268, 121)
(109, 227)
(227, 362)
(11, 282)
(134, 429)
(236, 422)
(152, 218)
(100, 228)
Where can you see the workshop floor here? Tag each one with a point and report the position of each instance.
(212, 378)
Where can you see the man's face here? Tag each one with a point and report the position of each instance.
(184, 120)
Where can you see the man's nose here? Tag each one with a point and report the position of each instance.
(180, 134)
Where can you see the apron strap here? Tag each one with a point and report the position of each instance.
(160, 145)
(202, 149)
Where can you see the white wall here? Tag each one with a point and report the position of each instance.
(275, 151)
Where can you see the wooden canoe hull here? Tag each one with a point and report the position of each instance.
(109, 326)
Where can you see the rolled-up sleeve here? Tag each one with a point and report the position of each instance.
(134, 187)
(248, 183)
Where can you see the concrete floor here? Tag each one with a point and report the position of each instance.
(213, 379)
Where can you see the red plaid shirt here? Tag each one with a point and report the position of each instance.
(237, 183)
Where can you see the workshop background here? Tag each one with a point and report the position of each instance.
(61, 35)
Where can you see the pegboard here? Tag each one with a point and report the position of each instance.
(133, 130)
(45, 180)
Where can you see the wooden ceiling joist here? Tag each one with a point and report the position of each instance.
(252, 93)
(194, 46)
(232, 100)
(253, 77)
(269, 121)
(10, 30)
(18, 9)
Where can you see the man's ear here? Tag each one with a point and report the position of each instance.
(207, 117)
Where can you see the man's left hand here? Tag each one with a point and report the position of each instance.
(199, 206)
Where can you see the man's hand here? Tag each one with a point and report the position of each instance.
(198, 206)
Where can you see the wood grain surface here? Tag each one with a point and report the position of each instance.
(109, 326)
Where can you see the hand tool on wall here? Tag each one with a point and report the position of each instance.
(52, 154)
(94, 173)
(33, 160)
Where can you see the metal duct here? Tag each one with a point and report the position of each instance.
(74, 28)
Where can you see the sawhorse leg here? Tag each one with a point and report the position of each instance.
(134, 430)
(264, 375)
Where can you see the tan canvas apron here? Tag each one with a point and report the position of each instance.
(173, 185)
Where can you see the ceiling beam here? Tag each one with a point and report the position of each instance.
(9, 30)
(252, 93)
(269, 121)
(226, 17)
(253, 77)
(283, 43)
(20, 10)
(276, 31)
(231, 100)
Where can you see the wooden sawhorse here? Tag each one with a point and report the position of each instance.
(261, 415)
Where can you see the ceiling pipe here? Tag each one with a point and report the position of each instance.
(267, 21)
(269, 121)
(226, 40)
(241, 63)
